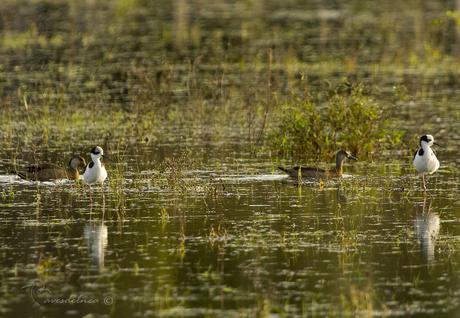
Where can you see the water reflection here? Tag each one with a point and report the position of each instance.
(95, 234)
(426, 226)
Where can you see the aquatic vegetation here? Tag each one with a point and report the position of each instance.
(350, 119)
(164, 216)
(7, 195)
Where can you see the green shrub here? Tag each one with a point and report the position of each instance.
(349, 119)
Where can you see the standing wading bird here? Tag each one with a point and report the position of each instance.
(49, 171)
(310, 172)
(95, 171)
(425, 160)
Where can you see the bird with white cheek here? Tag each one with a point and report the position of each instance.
(425, 160)
(95, 171)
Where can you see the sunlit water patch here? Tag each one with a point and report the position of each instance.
(226, 242)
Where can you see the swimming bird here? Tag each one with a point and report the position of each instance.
(425, 160)
(49, 171)
(311, 172)
(95, 171)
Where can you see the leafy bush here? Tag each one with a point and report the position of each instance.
(349, 119)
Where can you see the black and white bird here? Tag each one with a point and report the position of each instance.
(95, 171)
(425, 160)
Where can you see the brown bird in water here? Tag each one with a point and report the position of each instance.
(49, 171)
(310, 172)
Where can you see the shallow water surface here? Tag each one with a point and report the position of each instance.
(232, 243)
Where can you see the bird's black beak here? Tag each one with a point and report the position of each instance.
(352, 157)
(436, 144)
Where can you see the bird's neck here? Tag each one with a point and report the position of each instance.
(425, 146)
(339, 166)
(73, 173)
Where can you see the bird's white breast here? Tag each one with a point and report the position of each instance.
(427, 163)
(95, 174)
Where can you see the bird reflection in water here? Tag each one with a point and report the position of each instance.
(95, 233)
(427, 224)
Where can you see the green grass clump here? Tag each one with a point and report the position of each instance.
(348, 119)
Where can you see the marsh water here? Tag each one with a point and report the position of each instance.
(193, 221)
(253, 241)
